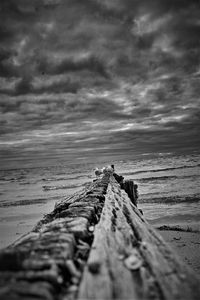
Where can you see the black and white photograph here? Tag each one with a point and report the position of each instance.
(99, 150)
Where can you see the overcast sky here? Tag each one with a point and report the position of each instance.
(83, 78)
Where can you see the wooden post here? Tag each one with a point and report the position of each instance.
(129, 260)
(130, 189)
(95, 245)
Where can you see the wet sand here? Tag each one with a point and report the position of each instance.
(186, 244)
(19, 220)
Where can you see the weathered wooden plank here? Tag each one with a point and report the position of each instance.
(47, 263)
(129, 260)
(109, 274)
(174, 278)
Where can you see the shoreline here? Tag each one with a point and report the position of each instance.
(177, 228)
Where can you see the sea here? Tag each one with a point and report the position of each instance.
(168, 185)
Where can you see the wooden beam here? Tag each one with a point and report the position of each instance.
(95, 245)
(129, 260)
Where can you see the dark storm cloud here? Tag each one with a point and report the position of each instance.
(25, 86)
(5, 33)
(69, 84)
(176, 20)
(91, 63)
(37, 111)
(7, 69)
(129, 69)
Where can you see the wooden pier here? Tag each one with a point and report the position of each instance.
(95, 244)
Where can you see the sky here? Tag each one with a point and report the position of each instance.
(98, 78)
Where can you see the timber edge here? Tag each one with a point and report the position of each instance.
(95, 244)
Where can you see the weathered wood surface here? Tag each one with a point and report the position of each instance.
(129, 260)
(47, 263)
(95, 245)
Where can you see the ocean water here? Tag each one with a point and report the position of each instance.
(169, 191)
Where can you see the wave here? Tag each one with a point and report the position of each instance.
(19, 178)
(27, 202)
(177, 228)
(158, 170)
(65, 178)
(175, 219)
(62, 187)
(156, 178)
(164, 178)
(171, 199)
(55, 179)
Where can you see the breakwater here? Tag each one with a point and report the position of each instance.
(95, 244)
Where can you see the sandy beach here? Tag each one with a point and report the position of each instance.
(24, 200)
(17, 221)
(186, 245)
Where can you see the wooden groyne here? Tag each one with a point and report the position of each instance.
(95, 244)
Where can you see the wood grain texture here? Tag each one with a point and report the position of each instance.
(47, 263)
(129, 260)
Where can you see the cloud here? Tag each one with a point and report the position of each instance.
(71, 64)
(7, 69)
(33, 112)
(24, 86)
(122, 72)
